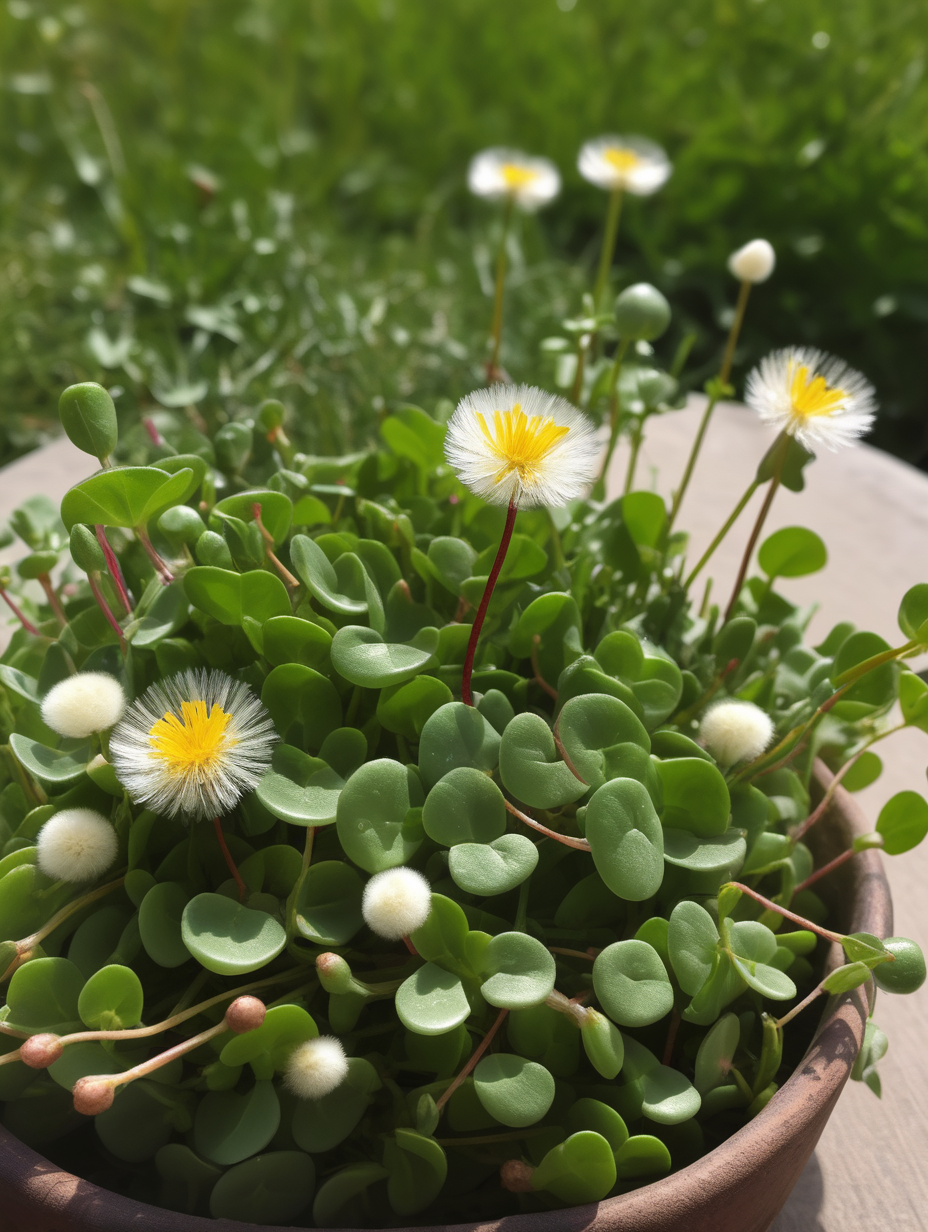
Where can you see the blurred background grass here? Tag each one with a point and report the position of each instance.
(208, 202)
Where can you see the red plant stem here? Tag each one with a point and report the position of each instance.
(788, 915)
(580, 843)
(113, 565)
(53, 601)
(217, 826)
(816, 992)
(160, 567)
(26, 624)
(826, 868)
(104, 607)
(671, 1038)
(475, 1057)
(466, 695)
(409, 946)
(154, 434)
(286, 576)
(539, 679)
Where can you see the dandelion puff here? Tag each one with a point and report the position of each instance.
(754, 262)
(735, 731)
(316, 1067)
(396, 902)
(632, 164)
(193, 744)
(812, 396)
(81, 705)
(519, 444)
(498, 174)
(76, 844)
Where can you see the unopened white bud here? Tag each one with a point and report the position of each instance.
(735, 731)
(396, 902)
(76, 845)
(83, 704)
(316, 1067)
(754, 262)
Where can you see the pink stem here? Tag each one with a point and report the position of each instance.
(466, 695)
(113, 565)
(233, 869)
(788, 915)
(826, 868)
(104, 607)
(53, 601)
(580, 843)
(475, 1057)
(26, 624)
(160, 567)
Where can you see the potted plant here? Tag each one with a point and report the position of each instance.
(399, 838)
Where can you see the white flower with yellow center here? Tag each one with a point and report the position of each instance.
(515, 444)
(632, 164)
(193, 744)
(812, 396)
(498, 174)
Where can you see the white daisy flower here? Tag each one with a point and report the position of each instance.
(193, 744)
(812, 396)
(519, 444)
(77, 844)
(735, 731)
(499, 173)
(633, 164)
(753, 262)
(316, 1067)
(83, 704)
(396, 902)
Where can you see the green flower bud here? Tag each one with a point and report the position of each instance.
(907, 973)
(88, 416)
(334, 973)
(271, 414)
(233, 447)
(212, 549)
(37, 564)
(85, 550)
(641, 313)
(181, 526)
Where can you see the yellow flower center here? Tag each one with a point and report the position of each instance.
(193, 742)
(812, 396)
(520, 443)
(621, 159)
(516, 177)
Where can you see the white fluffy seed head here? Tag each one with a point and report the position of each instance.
(735, 731)
(316, 1067)
(396, 902)
(76, 844)
(754, 262)
(83, 704)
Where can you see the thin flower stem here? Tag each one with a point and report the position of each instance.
(825, 869)
(474, 1058)
(26, 624)
(577, 388)
(113, 565)
(164, 1058)
(496, 331)
(466, 694)
(615, 418)
(94, 580)
(815, 993)
(787, 915)
(691, 462)
(743, 292)
(34, 939)
(558, 949)
(580, 843)
(758, 525)
(610, 235)
(227, 855)
(637, 438)
(160, 567)
(671, 1037)
(732, 519)
(285, 575)
(53, 601)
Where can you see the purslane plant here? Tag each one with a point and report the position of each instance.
(395, 837)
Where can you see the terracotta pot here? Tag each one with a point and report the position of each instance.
(738, 1187)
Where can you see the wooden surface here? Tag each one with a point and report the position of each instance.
(872, 511)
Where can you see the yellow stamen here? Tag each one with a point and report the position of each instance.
(621, 159)
(516, 177)
(521, 444)
(813, 397)
(194, 741)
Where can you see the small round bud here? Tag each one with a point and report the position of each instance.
(41, 1051)
(181, 526)
(92, 1096)
(76, 845)
(907, 973)
(396, 902)
(641, 313)
(516, 1176)
(316, 1067)
(88, 416)
(271, 414)
(85, 550)
(83, 704)
(754, 262)
(245, 1014)
(735, 731)
(334, 973)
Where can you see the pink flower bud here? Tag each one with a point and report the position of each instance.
(516, 1176)
(40, 1051)
(245, 1014)
(92, 1095)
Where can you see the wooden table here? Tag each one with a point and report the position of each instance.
(869, 1171)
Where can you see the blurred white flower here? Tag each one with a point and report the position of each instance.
(316, 1067)
(396, 902)
(735, 731)
(754, 262)
(193, 744)
(634, 164)
(76, 844)
(83, 704)
(516, 443)
(812, 396)
(500, 173)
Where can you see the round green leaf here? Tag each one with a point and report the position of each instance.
(603, 738)
(666, 1095)
(138, 1124)
(228, 938)
(626, 839)
(229, 597)
(88, 416)
(464, 807)
(692, 942)
(903, 822)
(514, 1091)
(456, 735)
(303, 703)
(125, 496)
(290, 639)
(300, 789)
(531, 768)
(53, 768)
(43, 996)
(328, 906)
(160, 917)
(276, 510)
(379, 825)
(112, 999)
(577, 1171)
(340, 1189)
(603, 1044)
(363, 657)
(642, 1155)
(406, 708)
(492, 868)
(650, 673)
(593, 1114)
(695, 796)
(913, 612)
(792, 551)
(321, 1124)
(519, 971)
(272, 1188)
(229, 1127)
(866, 769)
(432, 1001)
(417, 1169)
(714, 1058)
(283, 1028)
(632, 984)
(704, 855)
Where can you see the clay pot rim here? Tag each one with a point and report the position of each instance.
(809, 1094)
